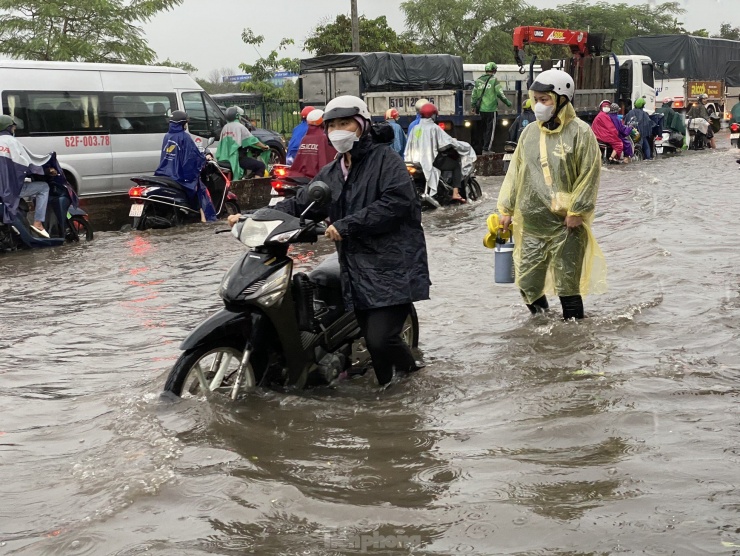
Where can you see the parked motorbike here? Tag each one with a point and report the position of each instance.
(670, 142)
(160, 202)
(283, 184)
(735, 135)
(65, 220)
(277, 328)
(469, 187)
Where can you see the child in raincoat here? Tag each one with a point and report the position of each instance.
(549, 194)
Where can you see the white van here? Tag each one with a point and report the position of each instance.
(105, 121)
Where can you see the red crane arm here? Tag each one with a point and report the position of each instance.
(576, 40)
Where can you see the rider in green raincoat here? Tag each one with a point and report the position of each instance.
(235, 144)
(549, 194)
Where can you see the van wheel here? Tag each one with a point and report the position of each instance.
(71, 181)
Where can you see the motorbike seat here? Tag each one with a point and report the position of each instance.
(225, 164)
(164, 180)
(327, 273)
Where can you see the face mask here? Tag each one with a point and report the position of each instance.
(543, 113)
(343, 140)
(606, 109)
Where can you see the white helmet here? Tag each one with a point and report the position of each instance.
(346, 106)
(554, 81)
(419, 103)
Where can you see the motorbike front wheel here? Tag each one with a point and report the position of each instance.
(208, 368)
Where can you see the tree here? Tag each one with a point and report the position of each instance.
(78, 30)
(481, 30)
(185, 66)
(332, 37)
(700, 33)
(477, 30)
(265, 67)
(726, 31)
(215, 83)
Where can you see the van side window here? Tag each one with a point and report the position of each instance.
(64, 113)
(206, 119)
(14, 107)
(139, 113)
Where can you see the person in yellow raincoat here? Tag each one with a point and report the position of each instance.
(549, 194)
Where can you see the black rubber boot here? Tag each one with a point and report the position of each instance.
(572, 306)
(539, 306)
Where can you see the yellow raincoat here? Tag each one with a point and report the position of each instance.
(552, 174)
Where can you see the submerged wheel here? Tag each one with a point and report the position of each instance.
(214, 367)
(82, 229)
(410, 330)
(474, 192)
(639, 156)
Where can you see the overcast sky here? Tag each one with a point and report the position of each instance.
(211, 31)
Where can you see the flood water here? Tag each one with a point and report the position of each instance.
(618, 434)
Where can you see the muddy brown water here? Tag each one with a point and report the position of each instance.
(619, 434)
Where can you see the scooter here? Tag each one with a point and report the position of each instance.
(735, 135)
(159, 202)
(284, 185)
(469, 187)
(670, 142)
(277, 328)
(65, 221)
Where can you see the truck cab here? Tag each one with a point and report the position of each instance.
(636, 80)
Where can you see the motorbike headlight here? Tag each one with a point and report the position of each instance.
(254, 233)
(274, 287)
(285, 237)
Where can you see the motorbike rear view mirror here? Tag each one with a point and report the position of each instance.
(211, 141)
(319, 194)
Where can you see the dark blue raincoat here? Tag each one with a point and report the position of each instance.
(182, 161)
(15, 164)
(299, 132)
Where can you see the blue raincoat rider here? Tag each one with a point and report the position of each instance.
(182, 161)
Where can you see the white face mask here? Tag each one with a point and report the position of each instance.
(542, 112)
(343, 140)
(606, 109)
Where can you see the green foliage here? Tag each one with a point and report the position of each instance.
(700, 33)
(481, 30)
(727, 31)
(478, 30)
(185, 66)
(376, 35)
(287, 91)
(266, 66)
(78, 30)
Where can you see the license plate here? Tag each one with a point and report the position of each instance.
(734, 135)
(136, 210)
(507, 156)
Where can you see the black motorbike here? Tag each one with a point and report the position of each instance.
(277, 328)
(159, 202)
(65, 221)
(446, 161)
